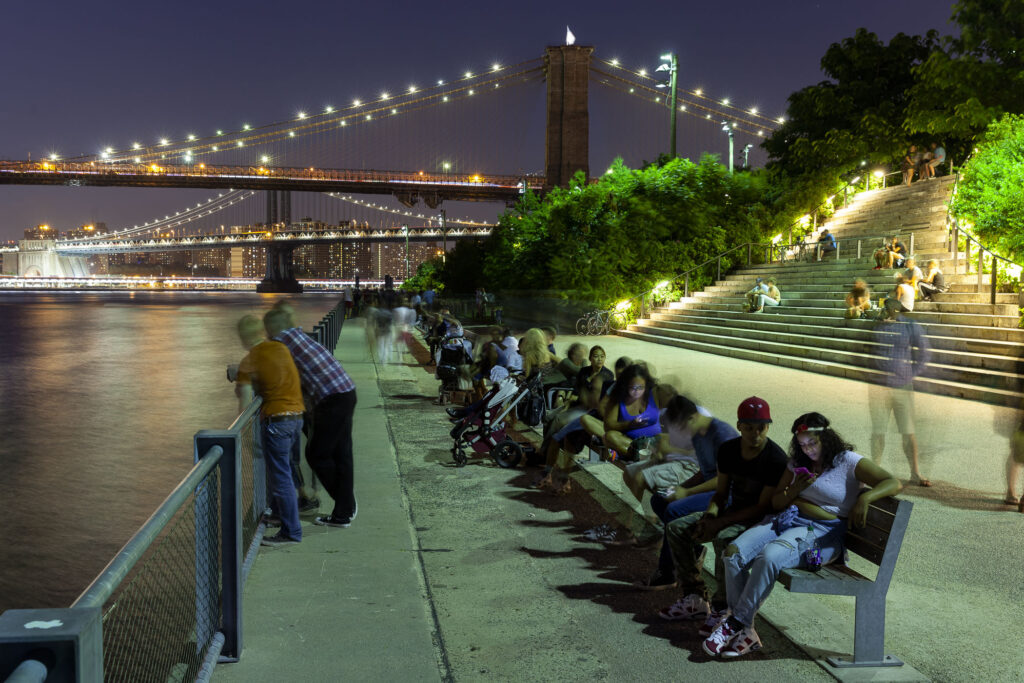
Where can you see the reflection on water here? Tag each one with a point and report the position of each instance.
(100, 395)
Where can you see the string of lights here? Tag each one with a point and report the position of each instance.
(697, 93)
(409, 214)
(469, 85)
(694, 109)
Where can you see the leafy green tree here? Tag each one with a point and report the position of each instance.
(977, 77)
(989, 194)
(855, 116)
(427, 276)
(623, 233)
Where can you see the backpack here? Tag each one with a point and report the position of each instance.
(531, 409)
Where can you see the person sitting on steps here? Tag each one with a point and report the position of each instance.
(770, 296)
(826, 244)
(892, 255)
(858, 301)
(932, 282)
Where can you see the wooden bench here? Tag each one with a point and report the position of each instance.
(878, 542)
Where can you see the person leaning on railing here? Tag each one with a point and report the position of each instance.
(268, 370)
(329, 451)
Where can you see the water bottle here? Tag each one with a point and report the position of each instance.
(812, 555)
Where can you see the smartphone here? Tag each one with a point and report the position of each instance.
(802, 470)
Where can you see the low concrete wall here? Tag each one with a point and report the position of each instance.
(525, 309)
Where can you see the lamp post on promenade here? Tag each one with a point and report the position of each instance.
(670, 63)
(727, 127)
(405, 229)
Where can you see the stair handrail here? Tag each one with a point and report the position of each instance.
(953, 232)
(853, 183)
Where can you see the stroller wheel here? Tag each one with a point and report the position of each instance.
(459, 456)
(507, 453)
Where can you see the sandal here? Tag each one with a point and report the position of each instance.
(1011, 500)
(921, 481)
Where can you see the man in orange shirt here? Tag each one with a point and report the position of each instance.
(268, 370)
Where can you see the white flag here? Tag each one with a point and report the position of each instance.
(570, 39)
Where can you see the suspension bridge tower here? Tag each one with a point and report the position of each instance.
(567, 143)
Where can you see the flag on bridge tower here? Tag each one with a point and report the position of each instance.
(570, 39)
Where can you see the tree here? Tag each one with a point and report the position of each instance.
(856, 116)
(622, 233)
(989, 194)
(976, 79)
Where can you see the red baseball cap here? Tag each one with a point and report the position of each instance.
(754, 409)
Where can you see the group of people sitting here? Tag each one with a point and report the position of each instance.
(911, 284)
(763, 510)
(764, 293)
(922, 161)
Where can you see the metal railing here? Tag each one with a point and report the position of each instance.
(954, 232)
(169, 605)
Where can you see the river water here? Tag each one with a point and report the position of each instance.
(100, 395)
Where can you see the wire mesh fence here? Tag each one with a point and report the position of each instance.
(160, 622)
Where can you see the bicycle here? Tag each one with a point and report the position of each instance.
(601, 322)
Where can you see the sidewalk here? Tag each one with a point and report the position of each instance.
(345, 604)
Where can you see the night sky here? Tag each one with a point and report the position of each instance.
(79, 76)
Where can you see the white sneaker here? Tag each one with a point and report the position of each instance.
(691, 608)
(743, 642)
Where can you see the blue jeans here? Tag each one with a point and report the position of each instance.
(278, 439)
(762, 554)
(668, 511)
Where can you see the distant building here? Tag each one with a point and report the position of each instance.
(41, 232)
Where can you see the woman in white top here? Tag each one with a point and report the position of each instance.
(818, 493)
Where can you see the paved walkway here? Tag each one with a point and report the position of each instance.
(515, 593)
(345, 604)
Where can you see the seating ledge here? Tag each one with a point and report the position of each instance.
(829, 580)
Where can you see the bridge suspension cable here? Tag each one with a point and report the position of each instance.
(750, 116)
(429, 218)
(695, 106)
(357, 113)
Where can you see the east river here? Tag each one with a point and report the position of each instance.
(100, 395)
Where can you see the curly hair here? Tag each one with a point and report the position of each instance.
(832, 444)
(620, 392)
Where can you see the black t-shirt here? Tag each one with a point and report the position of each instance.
(748, 477)
(900, 248)
(584, 375)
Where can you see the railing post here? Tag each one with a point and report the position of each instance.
(956, 248)
(686, 287)
(981, 268)
(230, 534)
(749, 247)
(839, 243)
(912, 244)
(643, 305)
(967, 256)
(719, 260)
(995, 270)
(66, 642)
(858, 249)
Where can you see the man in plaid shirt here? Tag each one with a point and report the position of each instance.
(333, 395)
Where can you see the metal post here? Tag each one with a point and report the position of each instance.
(231, 550)
(686, 287)
(858, 249)
(749, 247)
(643, 305)
(719, 261)
(673, 80)
(995, 270)
(981, 267)
(731, 152)
(967, 256)
(912, 244)
(838, 244)
(444, 236)
(405, 229)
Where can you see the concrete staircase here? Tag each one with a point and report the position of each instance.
(976, 345)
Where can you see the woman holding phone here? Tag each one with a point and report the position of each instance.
(819, 493)
(632, 412)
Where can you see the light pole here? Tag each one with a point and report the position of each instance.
(670, 63)
(444, 235)
(405, 229)
(728, 129)
(746, 155)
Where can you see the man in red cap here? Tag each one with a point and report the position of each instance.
(749, 467)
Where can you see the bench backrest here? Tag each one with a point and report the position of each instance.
(880, 540)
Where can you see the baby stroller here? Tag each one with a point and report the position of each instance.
(482, 428)
(452, 356)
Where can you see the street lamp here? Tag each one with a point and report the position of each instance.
(444, 234)
(746, 155)
(671, 64)
(727, 127)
